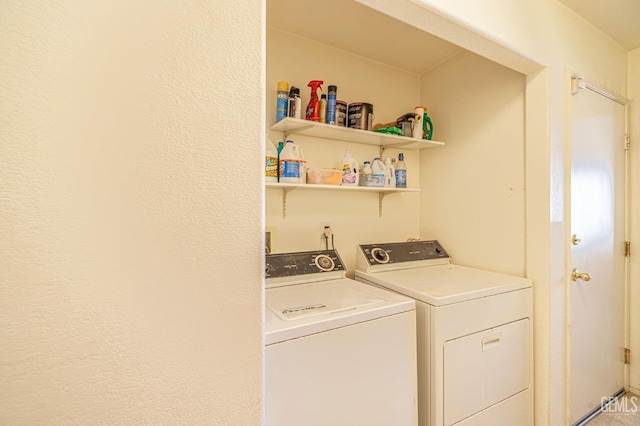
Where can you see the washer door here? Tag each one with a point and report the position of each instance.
(485, 368)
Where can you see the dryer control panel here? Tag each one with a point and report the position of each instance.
(304, 264)
(388, 254)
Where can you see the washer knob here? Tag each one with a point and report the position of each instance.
(324, 263)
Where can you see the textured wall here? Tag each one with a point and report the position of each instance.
(125, 295)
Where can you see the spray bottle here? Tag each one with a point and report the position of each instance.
(313, 109)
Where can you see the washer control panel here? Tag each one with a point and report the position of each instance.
(380, 254)
(302, 263)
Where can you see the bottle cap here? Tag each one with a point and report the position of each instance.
(289, 140)
(367, 162)
(283, 85)
(401, 156)
(333, 89)
(323, 96)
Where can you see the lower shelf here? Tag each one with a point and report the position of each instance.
(288, 187)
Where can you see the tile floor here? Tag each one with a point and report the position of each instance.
(626, 413)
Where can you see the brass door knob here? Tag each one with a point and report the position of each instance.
(575, 275)
(575, 240)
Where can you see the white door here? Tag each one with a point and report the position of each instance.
(597, 221)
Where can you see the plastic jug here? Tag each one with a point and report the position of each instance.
(390, 174)
(349, 170)
(270, 161)
(290, 163)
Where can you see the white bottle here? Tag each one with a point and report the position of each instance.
(270, 161)
(417, 124)
(303, 165)
(290, 163)
(390, 174)
(349, 170)
(379, 171)
(365, 178)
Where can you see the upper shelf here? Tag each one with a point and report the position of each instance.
(347, 134)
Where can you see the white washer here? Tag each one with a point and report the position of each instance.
(337, 352)
(474, 327)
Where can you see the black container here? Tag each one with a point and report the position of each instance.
(360, 116)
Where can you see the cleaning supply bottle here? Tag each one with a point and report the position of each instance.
(350, 173)
(390, 174)
(379, 172)
(295, 103)
(401, 172)
(313, 109)
(290, 163)
(417, 123)
(427, 126)
(365, 178)
(282, 100)
(331, 104)
(323, 108)
(271, 161)
(303, 165)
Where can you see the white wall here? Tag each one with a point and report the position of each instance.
(634, 186)
(473, 188)
(125, 293)
(353, 216)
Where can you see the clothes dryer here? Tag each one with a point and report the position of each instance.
(474, 336)
(337, 352)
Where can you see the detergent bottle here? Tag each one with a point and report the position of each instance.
(349, 170)
(313, 108)
(427, 126)
(290, 163)
(271, 162)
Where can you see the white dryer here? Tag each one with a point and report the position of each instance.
(474, 328)
(337, 352)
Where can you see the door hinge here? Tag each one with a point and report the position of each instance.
(627, 248)
(627, 356)
(627, 142)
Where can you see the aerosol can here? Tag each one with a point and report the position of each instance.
(313, 109)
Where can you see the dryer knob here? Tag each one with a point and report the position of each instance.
(380, 255)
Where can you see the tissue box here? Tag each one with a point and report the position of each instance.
(324, 176)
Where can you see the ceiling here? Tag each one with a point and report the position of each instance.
(619, 19)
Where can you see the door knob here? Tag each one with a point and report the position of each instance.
(575, 240)
(575, 275)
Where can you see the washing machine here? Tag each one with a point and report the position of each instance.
(474, 331)
(337, 351)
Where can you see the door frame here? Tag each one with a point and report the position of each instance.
(577, 83)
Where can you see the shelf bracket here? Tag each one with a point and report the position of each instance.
(380, 198)
(285, 134)
(285, 191)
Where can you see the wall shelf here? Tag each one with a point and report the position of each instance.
(288, 187)
(291, 126)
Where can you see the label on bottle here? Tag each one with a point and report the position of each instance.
(401, 178)
(348, 175)
(331, 109)
(271, 167)
(281, 108)
(290, 168)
